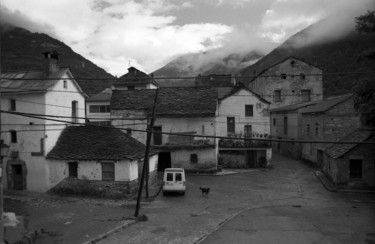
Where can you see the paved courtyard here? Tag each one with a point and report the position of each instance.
(284, 204)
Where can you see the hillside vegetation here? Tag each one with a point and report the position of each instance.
(22, 50)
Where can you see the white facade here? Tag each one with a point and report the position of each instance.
(33, 138)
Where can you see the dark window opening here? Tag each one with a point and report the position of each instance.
(65, 84)
(283, 76)
(249, 110)
(308, 129)
(73, 169)
(305, 95)
(303, 76)
(108, 171)
(99, 109)
(128, 131)
(277, 96)
(74, 111)
(230, 124)
(193, 158)
(248, 130)
(316, 129)
(131, 88)
(12, 106)
(13, 136)
(157, 136)
(286, 125)
(355, 168)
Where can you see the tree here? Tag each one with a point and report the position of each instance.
(364, 90)
(366, 23)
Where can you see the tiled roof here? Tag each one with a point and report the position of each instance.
(134, 76)
(293, 106)
(105, 95)
(326, 104)
(359, 135)
(171, 102)
(96, 143)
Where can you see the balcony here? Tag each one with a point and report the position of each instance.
(241, 141)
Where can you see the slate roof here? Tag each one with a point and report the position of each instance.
(31, 81)
(225, 92)
(293, 107)
(359, 135)
(96, 143)
(104, 95)
(171, 102)
(327, 104)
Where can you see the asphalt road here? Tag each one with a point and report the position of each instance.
(284, 204)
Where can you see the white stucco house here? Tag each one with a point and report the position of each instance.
(27, 99)
(98, 109)
(191, 118)
(97, 153)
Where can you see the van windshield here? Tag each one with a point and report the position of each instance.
(178, 177)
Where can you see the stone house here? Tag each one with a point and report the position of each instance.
(99, 154)
(135, 80)
(243, 114)
(28, 98)
(289, 81)
(190, 118)
(286, 124)
(352, 164)
(328, 120)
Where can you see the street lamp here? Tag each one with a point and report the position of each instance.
(4, 153)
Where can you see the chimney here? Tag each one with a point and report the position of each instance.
(50, 63)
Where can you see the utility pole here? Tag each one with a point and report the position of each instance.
(146, 158)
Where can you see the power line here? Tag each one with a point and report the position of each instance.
(222, 137)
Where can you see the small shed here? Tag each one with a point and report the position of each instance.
(99, 153)
(352, 164)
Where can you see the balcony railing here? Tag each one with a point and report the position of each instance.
(254, 140)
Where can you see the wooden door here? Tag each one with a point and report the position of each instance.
(17, 177)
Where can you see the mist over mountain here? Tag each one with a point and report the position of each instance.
(22, 50)
(216, 61)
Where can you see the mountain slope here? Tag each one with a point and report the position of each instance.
(349, 53)
(21, 50)
(212, 62)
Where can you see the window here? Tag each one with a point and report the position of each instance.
(99, 109)
(277, 96)
(65, 84)
(292, 63)
(307, 132)
(230, 125)
(157, 136)
(355, 168)
(274, 121)
(12, 105)
(247, 130)
(129, 131)
(13, 136)
(131, 88)
(249, 110)
(193, 158)
(101, 123)
(305, 96)
(178, 177)
(169, 176)
(202, 129)
(286, 125)
(73, 169)
(303, 76)
(74, 111)
(283, 76)
(108, 171)
(316, 129)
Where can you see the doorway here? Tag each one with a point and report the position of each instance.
(251, 159)
(164, 161)
(17, 177)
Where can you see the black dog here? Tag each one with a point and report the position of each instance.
(205, 190)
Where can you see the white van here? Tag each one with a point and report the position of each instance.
(174, 180)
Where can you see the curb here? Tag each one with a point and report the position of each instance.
(105, 235)
(330, 187)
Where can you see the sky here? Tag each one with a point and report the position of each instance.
(147, 34)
